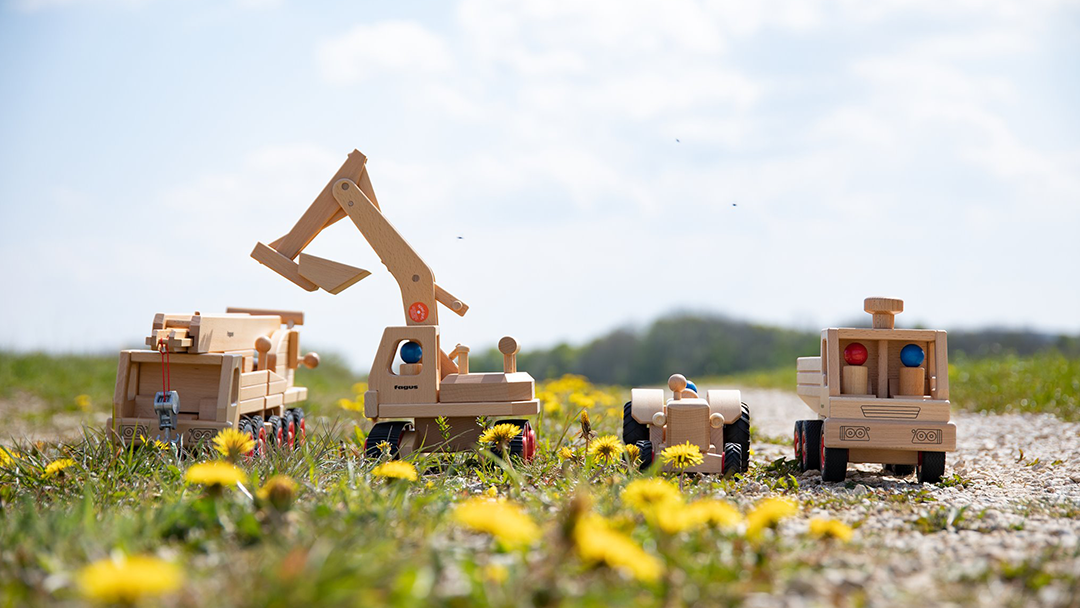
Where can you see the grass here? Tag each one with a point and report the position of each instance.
(345, 536)
(1046, 382)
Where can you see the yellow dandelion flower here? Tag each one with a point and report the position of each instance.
(582, 401)
(127, 580)
(500, 434)
(360, 388)
(767, 514)
(83, 402)
(214, 474)
(830, 528)
(232, 444)
(597, 543)
(491, 492)
(675, 517)
(7, 458)
(279, 491)
(350, 405)
(682, 456)
(396, 469)
(505, 521)
(647, 495)
(606, 449)
(496, 573)
(429, 485)
(633, 454)
(566, 453)
(716, 513)
(57, 466)
(586, 426)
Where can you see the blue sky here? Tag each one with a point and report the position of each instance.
(604, 162)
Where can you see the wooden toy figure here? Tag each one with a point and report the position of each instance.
(719, 424)
(205, 373)
(430, 400)
(875, 399)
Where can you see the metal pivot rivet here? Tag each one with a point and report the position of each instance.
(345, 186)
(350, 203)
(415, 278)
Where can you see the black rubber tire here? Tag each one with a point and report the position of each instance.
(797, 443)
(299, 430)
(812, 445)
(632, 430)
(389, 432)
(733, 458)
(739, 432)
(834, 467)
(931, 467)
(645, 447)
(275, 428)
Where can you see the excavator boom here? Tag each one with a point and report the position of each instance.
(350, 194)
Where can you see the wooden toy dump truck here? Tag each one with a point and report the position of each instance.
(420, 397)
(881, 395)
(206, 373)
(719, 425)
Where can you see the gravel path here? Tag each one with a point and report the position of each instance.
(1005, 532)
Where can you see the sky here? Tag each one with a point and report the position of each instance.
(565, 167)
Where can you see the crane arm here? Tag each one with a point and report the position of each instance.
(350, 194)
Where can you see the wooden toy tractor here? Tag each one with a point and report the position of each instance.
(206, 373)
(881, 395)
(719, 425)
(432, 397)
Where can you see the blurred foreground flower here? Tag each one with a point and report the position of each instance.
(396, 469)
(503, 520)
(57, 466)
(767, 514)
(279, 491)
(715, 513)
(127, 580)
(83, 402)
(214, 474)
(682, 456)
(606, 449)
(830, 528)
(647, 495)
(232, 444)
(7, 458)
(597, 543)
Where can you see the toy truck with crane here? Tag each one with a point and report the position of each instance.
(880, 395)
(204, 373)
(718, 424)
(431, 400)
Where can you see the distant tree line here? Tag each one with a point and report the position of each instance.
(702, 345)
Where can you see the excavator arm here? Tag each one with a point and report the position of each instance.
(350, 194)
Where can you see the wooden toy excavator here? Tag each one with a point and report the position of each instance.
(432, 388)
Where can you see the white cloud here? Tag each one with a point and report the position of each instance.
(384, 49)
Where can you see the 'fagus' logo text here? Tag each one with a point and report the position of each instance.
(407, 387)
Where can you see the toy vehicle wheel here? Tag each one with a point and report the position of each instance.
(812, 442)
(833, 460)
(632, 430)
(739, 432)
(390, 432)
(300, 430)
(288, 429)
(931, 467)
(733, 458)
(646, 457)
(247, 427)
(798, 444)
(523, 445)
(275, 430)
(900, 470)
